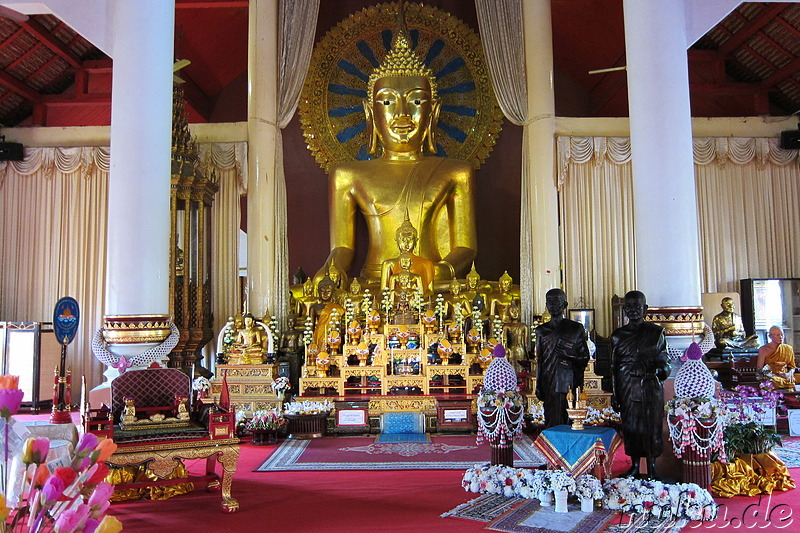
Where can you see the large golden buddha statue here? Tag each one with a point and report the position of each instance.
(402, 109)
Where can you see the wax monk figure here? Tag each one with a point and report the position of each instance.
(639, 365)
(562, 355)
(780, 358)
(728, 328)
(402, 110)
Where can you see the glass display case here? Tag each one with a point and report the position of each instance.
(772, 302)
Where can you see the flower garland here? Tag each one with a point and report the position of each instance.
(500, 415)
(659, 500)
(699, 424)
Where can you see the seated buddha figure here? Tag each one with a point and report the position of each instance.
(406, 238)
(303, 303)
(355, 296)
(500, 300)
(250, 345)
(457, 298)
(405, 280)
(402, 109)
(475, 287)
(728, 328)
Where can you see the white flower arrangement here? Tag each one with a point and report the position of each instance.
(588, 486)
(660, 500)
(201, 384)
(541, 481)
(307, 407)
(562, 480)
(597, 417)
(281, 385)
(505, 480)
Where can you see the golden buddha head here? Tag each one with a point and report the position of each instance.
(455, 287)
(308, 287)
(402, 106)
(513, 311)
(355, 287)
(505, 282)
(405, 259)
(406, 236)
(248, 320)
(473, 278)
(325, 288)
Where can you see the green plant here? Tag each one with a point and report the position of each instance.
(750, 437)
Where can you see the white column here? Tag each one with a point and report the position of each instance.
(665, 206)
(262, 117)
(540, 216)
(139, 182)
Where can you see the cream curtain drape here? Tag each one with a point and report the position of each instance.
(298, 22)
(748, 194)
(503, 37)
(53, 243)
(229, 162)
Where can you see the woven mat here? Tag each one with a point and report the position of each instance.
(642, 525)
(789, 453)
(530, 517)
(484, 508)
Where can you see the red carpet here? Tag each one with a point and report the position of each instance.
(369, 501)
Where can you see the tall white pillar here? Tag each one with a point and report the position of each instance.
(540, 201)
(139, 182)
(262, 131)
(665, 206)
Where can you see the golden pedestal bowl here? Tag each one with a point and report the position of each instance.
(577, 416)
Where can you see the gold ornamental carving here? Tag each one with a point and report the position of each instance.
(403, 403)
(331, 109)
(677, 320)
(134, 329)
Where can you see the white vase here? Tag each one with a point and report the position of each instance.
(587, 505)
(561, 501)
(546, 498)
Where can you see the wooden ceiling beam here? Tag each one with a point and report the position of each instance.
(13, 84)
(50, 40)
(82, 99)
(751, 27)
(788, 27)
(11, 38)
(14, 64)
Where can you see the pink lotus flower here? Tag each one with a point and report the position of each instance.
(52, 490)
(35, 450)
(71, 520)
(10, 400)
(101, 494)
(88, 442)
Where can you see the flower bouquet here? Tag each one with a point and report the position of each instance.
(264, 425)
(497, 479)
(307, 419)
(680, 501)
(201, 386)
(308, 407)
(588, 488)
(70, 499)
(280, 386)
(562, 484)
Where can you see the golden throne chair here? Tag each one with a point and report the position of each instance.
(153, 425)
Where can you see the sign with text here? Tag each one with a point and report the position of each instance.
(351, 417)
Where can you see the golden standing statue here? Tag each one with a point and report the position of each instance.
(402, 110)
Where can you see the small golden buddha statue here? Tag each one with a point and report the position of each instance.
(355, 295)
(475, 287)
(402, 109)
(515, 335)
(456, 297)
(303, 303)
(501, 299)
(406, 238)
(250, 345)
(405, 279)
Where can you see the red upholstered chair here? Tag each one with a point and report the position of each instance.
(208, 433)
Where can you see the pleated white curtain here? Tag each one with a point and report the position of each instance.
(503, 38)
(596, 211)
(229, 162)
(748, 194)
(298, 23)
(53, 243)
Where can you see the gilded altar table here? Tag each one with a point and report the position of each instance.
(164, 457)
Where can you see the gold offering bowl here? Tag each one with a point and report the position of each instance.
(577, 416)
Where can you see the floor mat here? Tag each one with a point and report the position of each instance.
(484, 508)
(530, 517)
(394, 438)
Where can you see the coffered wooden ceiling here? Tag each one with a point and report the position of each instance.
(749, 64)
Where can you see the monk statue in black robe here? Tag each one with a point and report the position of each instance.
(562, 354)
(639, 365)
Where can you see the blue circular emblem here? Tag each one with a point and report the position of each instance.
(66, 318)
